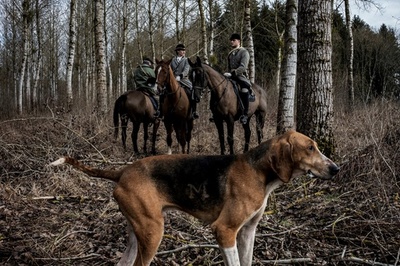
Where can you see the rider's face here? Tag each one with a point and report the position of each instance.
(235, 43)
(181, 52)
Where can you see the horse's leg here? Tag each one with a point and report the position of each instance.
(230, 123)
(154, 137)
(124, 125)
(168, 128)
(145, 136)
(135, 131)
(260, 121)
(247, 134)
(219, 123)
(189, 134)
(180, 131)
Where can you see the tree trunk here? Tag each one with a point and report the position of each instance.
(25, 46)
(71, 53)
(250, 44)
(203, 27)
(285, 118)
(123, 48)
(151, 28)
(350, 51)
(315, 92)
(212, 30)
(100, 58)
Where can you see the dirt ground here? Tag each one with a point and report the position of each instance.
(59, 216)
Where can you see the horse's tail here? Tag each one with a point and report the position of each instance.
(117, 111)
(113, 175)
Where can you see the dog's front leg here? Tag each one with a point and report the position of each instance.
(129, 256)
(246, 238)
(230, 255)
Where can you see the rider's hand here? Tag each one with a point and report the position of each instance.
(178, 78)
(227, 75)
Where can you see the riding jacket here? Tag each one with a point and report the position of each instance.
(238, 61)
(181, 68)
(141, 75)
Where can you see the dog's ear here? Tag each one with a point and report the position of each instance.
(282, 162)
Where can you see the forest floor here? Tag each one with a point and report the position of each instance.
(59, 216)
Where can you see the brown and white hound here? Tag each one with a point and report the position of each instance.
(229, 192)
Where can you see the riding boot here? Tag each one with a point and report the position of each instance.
(244, 96)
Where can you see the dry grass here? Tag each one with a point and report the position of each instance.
(58, 216)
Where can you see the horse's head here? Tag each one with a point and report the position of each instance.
(164, 75)
(198, 75)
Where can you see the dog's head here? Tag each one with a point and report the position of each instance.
(295, 154)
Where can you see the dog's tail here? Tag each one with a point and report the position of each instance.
(113, 175)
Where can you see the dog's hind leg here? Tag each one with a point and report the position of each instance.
(129, 256)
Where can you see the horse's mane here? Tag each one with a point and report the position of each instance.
(208, 68)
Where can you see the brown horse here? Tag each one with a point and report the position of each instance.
(137, 107)
(225, 104)
(175, 106)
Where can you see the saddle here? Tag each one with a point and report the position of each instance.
(236, 87)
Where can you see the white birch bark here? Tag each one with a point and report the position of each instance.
(71, 52)
(285, 118)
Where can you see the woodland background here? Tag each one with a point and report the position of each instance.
(58, 216)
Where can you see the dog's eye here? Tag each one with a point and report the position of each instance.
(311, 148)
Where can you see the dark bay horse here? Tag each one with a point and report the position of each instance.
(137, 107)
(225, 104)
(175, 107)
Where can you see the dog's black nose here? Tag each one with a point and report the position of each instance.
(334, 169)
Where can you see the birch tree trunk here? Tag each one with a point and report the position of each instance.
(71, 52)
(151, 28)
(315, 92)
(100, 58)
(25, 46)
(203, 31)
(38, 65)
(350, 51)
(281, 44)
(250, 44)
(212, 29)
(123, 48)
(139, 44)
(285, 118)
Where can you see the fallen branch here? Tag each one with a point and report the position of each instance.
(187, 247)
(71, 258)
(366, 261)
(286, 261)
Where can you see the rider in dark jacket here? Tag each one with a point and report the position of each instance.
(144, 76)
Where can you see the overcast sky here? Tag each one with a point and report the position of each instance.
(389, 14)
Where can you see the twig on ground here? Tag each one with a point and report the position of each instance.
(187, 247)
(286, 261)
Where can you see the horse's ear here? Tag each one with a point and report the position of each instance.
(191, 63)
(169, 61)
(198, 61)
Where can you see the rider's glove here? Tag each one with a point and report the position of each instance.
(178, 78)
